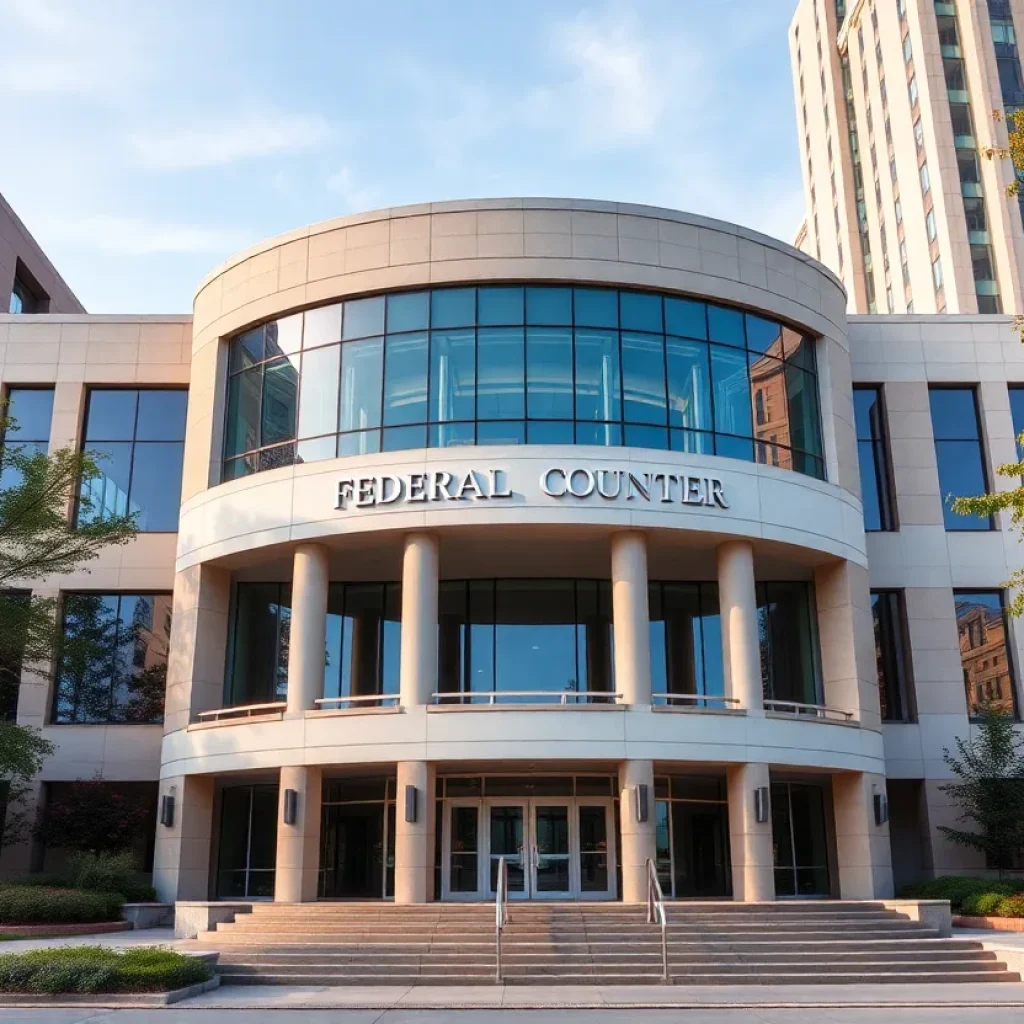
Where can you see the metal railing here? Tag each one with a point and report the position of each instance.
(793, 707)
(656, 914)
(375, 699)
(490, 697)
(241, 711)
(500, 914)
(698, 700)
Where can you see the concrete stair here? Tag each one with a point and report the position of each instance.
(590, 943)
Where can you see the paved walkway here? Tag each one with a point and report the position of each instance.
(141, 937)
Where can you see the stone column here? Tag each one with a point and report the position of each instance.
(298, 845)
(631, 617)
(418, 668)
(414, 840)
(181, 859)
(638, 837)
(750, 840)
(741, 649)
(862, 847)
(308, 630)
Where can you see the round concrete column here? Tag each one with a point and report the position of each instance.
(750, 840)
(308, 636)
(418, 669)
(741, 649)
(631, 617)
(414, 840)
(638, 837)
(298, 844)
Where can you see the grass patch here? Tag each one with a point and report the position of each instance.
(96, 969)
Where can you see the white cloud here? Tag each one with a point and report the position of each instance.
(354, 198)
(136, 236)
(246, 137)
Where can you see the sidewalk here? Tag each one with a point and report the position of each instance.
(140, 937)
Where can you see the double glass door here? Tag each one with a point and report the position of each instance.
(554, 848)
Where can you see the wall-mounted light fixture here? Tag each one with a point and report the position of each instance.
(167, 810)
(291, 806)
(641, 802)
(411, 802)
(881, 808)
(762, 806)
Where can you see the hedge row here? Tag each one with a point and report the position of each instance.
(973, 897)
(31, 904)
(98, 969)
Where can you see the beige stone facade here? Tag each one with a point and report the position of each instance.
(894, 105)
(442, 759)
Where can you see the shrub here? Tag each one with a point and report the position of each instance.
(50, 881)
(960, 890)
(99, 969)
(1011, 906)
(985, 903)
(29, 904)
(110, 872)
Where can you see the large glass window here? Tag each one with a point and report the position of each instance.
(959, 453)
(799, 839)
(139, 440)
(985, 656)
(686, 643)
(29, 411)
(1017, 412)
(873, 454)
(892, 655)
(538, 636)
(513, 365)
(259, 652)
(789, 642)
(113, 658)
(247, 842)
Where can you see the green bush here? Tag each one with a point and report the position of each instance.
(29, 904)
(961, 891)
(49, 881)
(985, 903)
(110, 872)
(1012, 906)
(99, 969)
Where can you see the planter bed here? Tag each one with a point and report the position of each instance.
(28, 931)
(995, 924)
(114, 999)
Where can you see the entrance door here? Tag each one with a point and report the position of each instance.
(462, 851)
(595, 840)
(551, 867)
(507, 832)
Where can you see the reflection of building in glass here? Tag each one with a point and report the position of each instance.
(981, 624)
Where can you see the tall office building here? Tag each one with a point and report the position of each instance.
(899, 104)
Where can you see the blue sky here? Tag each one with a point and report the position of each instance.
(145, 141)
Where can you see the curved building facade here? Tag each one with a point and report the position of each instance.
(527, 529)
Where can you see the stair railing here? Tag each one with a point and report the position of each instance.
(656, 914)
(500, 914)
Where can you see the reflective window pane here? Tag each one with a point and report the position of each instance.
(318, 395)
(106, 495)
(360, 391)
(322, 326)
(607, 435)
(111, 415)
(363, 442)
(161, 415)
(640, 311)
(597, 375)
(501, 432)
(396, 439)
(453, 307)
(549, 391)
(501, 371)
(31, 410)
(452, 375)
(637, 436)
(363, 318)
(686, 318)
(764, 336)
(689, 384)
(725, 325)
(500, 306)
(549, 306)
(405, 379)
(156, 485)
(731, 391)
(985, 647)
(283, 337)
(408, 311)
(643, 378)
(596, 307)
(242, 431)
(280, 401)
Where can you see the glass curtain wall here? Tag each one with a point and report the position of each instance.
(357, 839)
(692, 836)
(985, 651)
(686, 644)
(800, 839)
(521, 365)
(787, 626)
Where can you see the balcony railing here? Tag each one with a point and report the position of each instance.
(241, 711)
(696, 700)
(381, 700)
(795, 708)
(492, 697)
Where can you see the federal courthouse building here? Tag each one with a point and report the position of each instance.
(574, 533)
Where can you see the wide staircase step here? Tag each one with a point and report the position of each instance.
(584, 943)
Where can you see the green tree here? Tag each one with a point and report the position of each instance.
(989, 790)
(37, 541)
(96, 816)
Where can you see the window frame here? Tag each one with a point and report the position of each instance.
(885, 483)
(983, 457)
(900, 657)
(1009, 644)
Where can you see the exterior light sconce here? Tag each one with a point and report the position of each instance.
(411, 803)
(881, 808)
(291, 806)
(167, 810)
(762, 807)
(641, 802)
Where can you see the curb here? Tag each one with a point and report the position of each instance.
(113, 1000)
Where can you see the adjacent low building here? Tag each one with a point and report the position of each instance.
(574, 533)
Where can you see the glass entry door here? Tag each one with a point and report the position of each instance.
(507, 833)
(551, 858)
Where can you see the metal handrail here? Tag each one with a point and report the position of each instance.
(500, 914)
(793, 707)
(369, 698)
(656, 914)
(492, 696)
(242, 709)
(697, 699)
